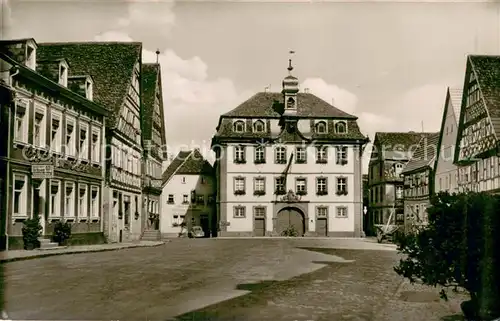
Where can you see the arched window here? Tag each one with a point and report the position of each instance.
(239, 126)
(290, 103)
(340, 127)
(258, 126)
(321, 127)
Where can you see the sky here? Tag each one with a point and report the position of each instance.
(386, 62)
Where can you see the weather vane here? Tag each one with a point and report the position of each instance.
(290, 68)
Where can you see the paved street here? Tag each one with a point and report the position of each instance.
(216, 279)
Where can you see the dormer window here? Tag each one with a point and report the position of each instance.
(340, 127)
(239, 126)
(258, 126)
(290, 104)
(321, 127)
(89, 90)
(63, 75)
(30, 57)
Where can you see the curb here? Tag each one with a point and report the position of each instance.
(42, 255)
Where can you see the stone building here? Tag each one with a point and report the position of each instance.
(391, 152)
(115, 68)
(153, 132)
(288, 161)
(188, 195)
(51, 160)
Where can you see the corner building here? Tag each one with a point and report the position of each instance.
(288, 161)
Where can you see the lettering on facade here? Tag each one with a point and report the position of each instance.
(44, 171)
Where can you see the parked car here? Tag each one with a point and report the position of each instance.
(196, 232)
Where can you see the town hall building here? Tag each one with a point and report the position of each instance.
(288, 163)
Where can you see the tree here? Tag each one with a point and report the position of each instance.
(456, 249)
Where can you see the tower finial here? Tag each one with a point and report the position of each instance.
(157, 55)
(290, 67)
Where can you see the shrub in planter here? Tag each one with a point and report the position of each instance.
(458, 249)
(62, 232)
(290, 231)
(31, 232)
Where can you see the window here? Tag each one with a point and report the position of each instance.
(290, 104)
(20, 195)
(321, 127)
(342, 211)
(472, 94)
(340, 127)
(301, 155)
(55, 198)
(322, 211)
(239, 185)
(260, 155)
(259, 186)
(321, 155)
(399, 192)
(94, 201)
(301, 186)
(259, 211)
(96, 145)
(239, 212)
(70, 137)
(185, 198)
(39, 127)
(321, 186)
(200, 199)
(239, 126)
(398, 168)
(56, 133)
(279, 185)
(170, 199)
(341, 155)
(258, 126)
(239, 154)
(280, 155)
(183, 179)
(88, 90)
(63, 75)
(83, 146)
(82, 211)
(341, 185)
(69, 203)
(21, 122)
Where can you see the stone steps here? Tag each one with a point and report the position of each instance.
(151, 235)
(46, 244)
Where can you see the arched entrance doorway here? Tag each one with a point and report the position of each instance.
(290, 217)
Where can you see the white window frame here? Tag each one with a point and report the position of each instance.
(321, 184)
(259, 211)
(258, 123)
(71, 144)
(259, 184)
(301, 153)
(280, 153)
(322, 153)
(22, 134)
(83, 209)
(56, 141)
(322, 211)
(94, 201)
(281, 184)
(239, 153)
(260, 154)
(185, 199)
(171, 199)
(322, 124)
(40, 110)
(399, 192)
(83, 152)
(23, 195)
(341, 212)
(341, 154)
(96, 146)
(55, 209)
(338, 124)
(239, 184)
(236, 125)
(341, 184)
(239, 212)
(300, 184)
(69, 209)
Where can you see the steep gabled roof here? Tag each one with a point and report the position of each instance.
(424, 155)
(188, 163)
(267, 104)
(111, 65)
(392, 141)
(456, 102)
(150, 74)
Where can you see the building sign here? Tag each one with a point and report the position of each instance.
(156, 183)
(42, 171)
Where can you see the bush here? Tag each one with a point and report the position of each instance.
(457, 249)
(62, 232)
(31, 232)
(290, 231)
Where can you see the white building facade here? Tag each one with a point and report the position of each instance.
(288, 163)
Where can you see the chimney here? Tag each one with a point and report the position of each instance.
(306, 90)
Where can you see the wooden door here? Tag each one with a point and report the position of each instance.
(322, 227)
(259, 227)
(288, 218)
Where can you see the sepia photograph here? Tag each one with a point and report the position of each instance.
(250, 160)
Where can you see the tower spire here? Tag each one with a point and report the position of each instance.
(290, 67)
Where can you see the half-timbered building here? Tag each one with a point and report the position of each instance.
(115, 68)
(51, 158)
(153, 133)
(477, 141)
(288, 163)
